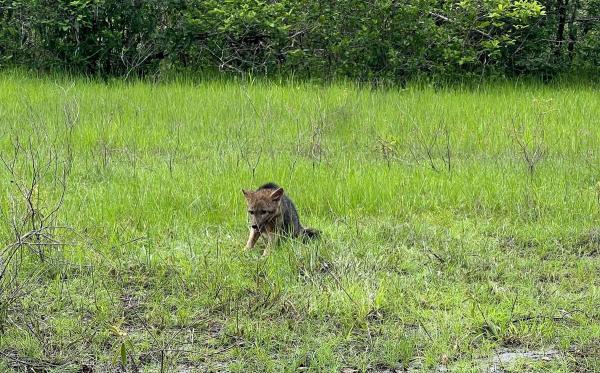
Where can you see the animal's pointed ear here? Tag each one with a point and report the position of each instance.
(277, 194)
(247, 193)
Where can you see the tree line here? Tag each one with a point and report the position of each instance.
(393, 40)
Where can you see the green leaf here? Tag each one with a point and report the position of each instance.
(123, 355)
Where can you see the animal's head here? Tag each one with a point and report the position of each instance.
(263, 206)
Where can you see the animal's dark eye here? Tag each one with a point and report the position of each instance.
(251, 212)
(261, 212)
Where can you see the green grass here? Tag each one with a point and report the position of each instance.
(419, 265)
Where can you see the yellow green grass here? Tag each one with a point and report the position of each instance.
(456, 223)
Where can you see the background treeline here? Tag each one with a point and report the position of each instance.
(366, 40)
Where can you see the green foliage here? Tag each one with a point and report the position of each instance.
(366, 40)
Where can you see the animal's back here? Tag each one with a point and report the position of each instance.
(268, 186)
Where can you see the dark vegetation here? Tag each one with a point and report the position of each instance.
(362, 40)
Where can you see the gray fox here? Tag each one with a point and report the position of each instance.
(274, 214)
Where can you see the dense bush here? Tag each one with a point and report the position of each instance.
(366, 40)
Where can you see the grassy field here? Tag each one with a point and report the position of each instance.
(457, 225)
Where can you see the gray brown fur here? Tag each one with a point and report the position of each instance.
(273, 214)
